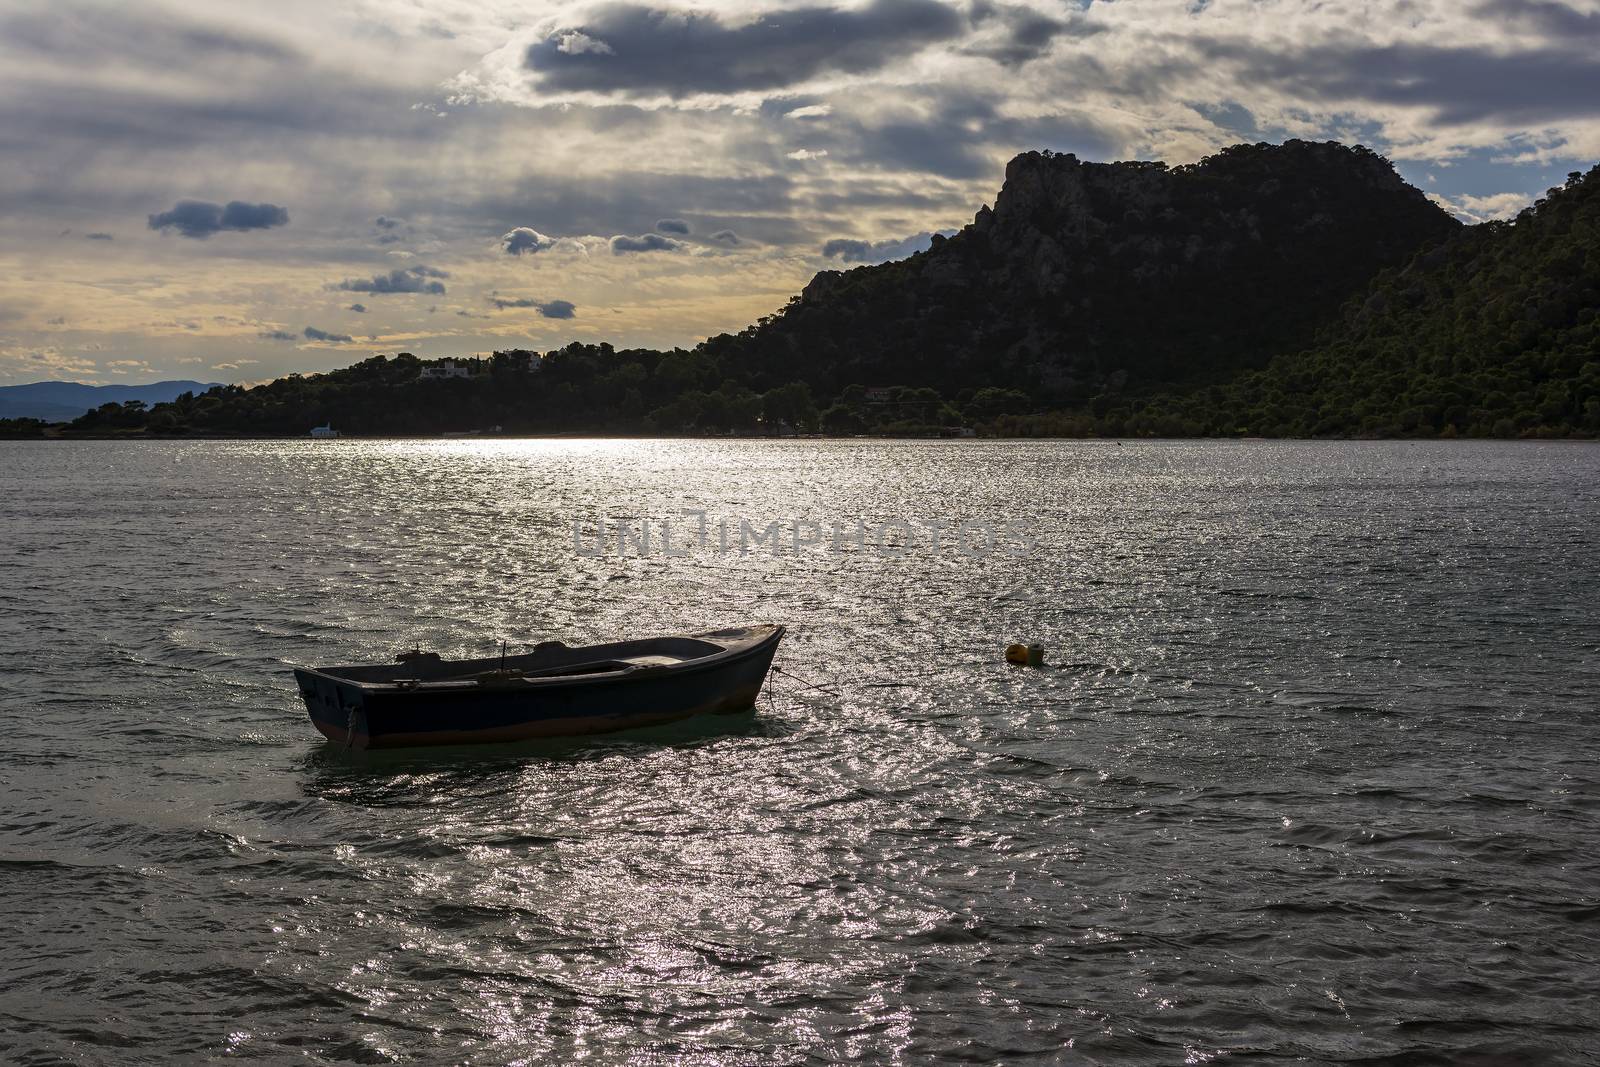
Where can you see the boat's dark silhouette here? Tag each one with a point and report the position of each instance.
(553, 691)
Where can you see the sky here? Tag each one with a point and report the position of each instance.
(231, 192)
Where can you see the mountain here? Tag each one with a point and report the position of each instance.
(63, 401)
(1293, 290)
(1087, 279)
(1495, 333)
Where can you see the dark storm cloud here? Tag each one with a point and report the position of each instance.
(98, 237)
(111, 93)
(201, 218)
(632, 48)
(724, 237)
(277, 335)
(958, 135)
(677, 226)
(848, 250)
(391, 231)
(1460, 85)
(550, 309)
(66, 35)
(314, 334)
(622, 244)
(404, 280)
(525, 240)
(1025, 34)
(1556, 19)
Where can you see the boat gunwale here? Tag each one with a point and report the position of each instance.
(639, 672)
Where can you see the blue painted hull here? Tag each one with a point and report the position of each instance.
(367, 716)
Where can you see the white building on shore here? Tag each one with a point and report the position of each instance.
(449, 368)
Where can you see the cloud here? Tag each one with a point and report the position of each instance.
(98, 237)
(848, 250)
(647, 242)
(603, 200)
(1544, 16)
(142, 104)
(359, 309)
(573, 43)
(1017, 33)
(677, 226)
(401, 280)
(958, 134)
(314, 334)
(636, 50)
(277, 335)
(391, 231)
(525, 240)
(200, 218)
(550, 309)
(1455, 85)
(1484, 208)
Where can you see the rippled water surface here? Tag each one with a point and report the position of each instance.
(1311, 773)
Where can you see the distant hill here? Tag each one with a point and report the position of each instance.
(1496, 333)
(64, 401)
(1093, 279)
(1293, 290)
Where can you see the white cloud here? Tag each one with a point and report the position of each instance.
(575, 43)
(1484, 208)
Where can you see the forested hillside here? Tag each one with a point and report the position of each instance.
(1294, 290)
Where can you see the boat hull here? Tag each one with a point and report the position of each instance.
(355, 716)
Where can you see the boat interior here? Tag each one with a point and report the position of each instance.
(551, 659)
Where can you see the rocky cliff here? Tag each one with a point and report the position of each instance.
(1088, 278)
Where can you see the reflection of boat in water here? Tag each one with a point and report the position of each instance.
(553, 691)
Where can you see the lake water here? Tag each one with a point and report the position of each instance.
(1311, 773)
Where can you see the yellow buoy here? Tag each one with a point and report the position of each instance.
(1025, 655)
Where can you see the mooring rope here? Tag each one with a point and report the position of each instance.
(826, 687)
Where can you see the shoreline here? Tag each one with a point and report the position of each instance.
(579, 436)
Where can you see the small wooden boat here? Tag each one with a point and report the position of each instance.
(554, 690)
